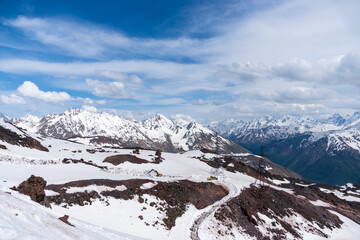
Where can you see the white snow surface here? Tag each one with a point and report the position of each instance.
(21, 218)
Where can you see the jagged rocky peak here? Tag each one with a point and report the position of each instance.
(30, 118)
(353, 120)
(74, 111)
(158, 121)
(335, 119)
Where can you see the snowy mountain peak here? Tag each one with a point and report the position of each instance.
(335, 119)
(159, 121)
(31, 118)
(73, 111)
(354, 119)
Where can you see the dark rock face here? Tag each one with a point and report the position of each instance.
(242, 212)
(177, 195)
(3, 147)
(34, 187)
(13, 138)
(158, 153)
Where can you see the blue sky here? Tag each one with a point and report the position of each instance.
(211, 60)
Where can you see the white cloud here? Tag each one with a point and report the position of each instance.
(100, 102)
(107, 89)
(120, 76)
(29, 89)
(89, 108)
(12, 99)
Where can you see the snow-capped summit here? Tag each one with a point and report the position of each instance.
(353, 121)
(303, 143)
(28, 122)
(159, 121)
(335, 119)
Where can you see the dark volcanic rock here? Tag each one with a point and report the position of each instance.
(118, 159)
(242, 211)
(177, 195)
(79, 198)
(34, 187)
(347, 208)
(13, 138)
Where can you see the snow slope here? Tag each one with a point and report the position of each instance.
(21, 218)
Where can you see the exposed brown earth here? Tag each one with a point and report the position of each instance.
(13, 138)
(177, 195)
(122, 158)
(119, 159)
(242, 212)
(131, 184)
(347, 208)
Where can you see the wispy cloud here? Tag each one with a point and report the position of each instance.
(120, 76)
(107, 89)
(94, 41)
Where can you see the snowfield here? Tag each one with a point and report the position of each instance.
(108, 217)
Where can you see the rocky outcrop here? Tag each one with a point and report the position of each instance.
(35, 188)
(65, 219)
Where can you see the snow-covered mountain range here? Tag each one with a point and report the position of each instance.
(110, 193)
(321, 150)
(157, 132)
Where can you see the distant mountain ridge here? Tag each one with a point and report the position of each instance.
(327, 150)
(157, 132)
